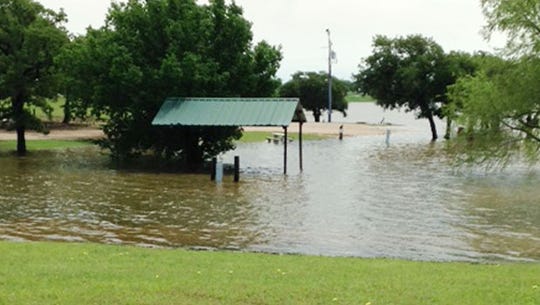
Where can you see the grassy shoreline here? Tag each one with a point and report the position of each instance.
(52, 144)
(261, 136)
(57, 273)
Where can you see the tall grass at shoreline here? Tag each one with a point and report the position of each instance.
(55, 273)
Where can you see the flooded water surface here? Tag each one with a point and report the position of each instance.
(356, 197)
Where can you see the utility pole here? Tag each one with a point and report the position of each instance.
(330, 57)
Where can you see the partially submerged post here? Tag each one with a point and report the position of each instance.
(300, 145)
(285, 140)
(219, 171)
(236, 168)
(213, 169)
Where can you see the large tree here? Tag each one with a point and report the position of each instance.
(30, 37)
(501, 103)
(150, 50)
(312, 89)
(500, 110)
(407, 72)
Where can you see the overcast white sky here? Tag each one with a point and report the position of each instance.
(299, 26)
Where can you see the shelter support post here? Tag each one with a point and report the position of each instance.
(236, 168)
(300, 145)
(285, 142)
(213, 169)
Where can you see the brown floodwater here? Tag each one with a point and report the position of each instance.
(357, 198)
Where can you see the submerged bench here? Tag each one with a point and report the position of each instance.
(277, 137)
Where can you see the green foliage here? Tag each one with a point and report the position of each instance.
(467, 67)
(312, 89)
(48, 273)
(519, 19)
(71, 67)
(500, 111)
(407, 72)
(499, 106)
(460, 64)
(150, 50)
(30, 38)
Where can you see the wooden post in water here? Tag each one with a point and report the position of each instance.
(236, 168)
(213, 170)
(300, 145)
(285, 140)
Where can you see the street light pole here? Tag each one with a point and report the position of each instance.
(330, 57)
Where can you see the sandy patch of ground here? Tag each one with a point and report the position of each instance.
(56, 134)
(329, 129)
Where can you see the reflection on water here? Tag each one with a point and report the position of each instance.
(56, 197)
(355, 198)
(360, 198)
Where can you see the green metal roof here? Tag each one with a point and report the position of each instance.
(229, 112)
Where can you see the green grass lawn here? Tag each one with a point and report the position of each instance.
(260, 136)
(358, 98)
(44, 144)
(57, 112)
(51, 273)
(248, 137)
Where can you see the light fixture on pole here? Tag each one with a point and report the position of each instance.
(331, 56)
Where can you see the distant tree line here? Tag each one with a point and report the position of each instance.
(312, 89)
(493, 98)
(149, 50)
(145, 52)
(123, 71)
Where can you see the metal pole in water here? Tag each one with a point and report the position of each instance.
(213, 169)
(387, 137)
(300, 146)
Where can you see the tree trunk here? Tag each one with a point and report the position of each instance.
(433, 128)
(448, 133)
(67, 111)
(317, 115)
(21, 141)
(18, 115)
